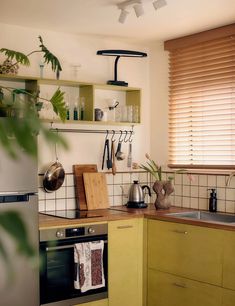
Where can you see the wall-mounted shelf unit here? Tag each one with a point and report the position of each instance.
(95, 96)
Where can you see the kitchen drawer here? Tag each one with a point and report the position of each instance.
(229, 261)
(185, 250)
(228, 298)
(169, 290)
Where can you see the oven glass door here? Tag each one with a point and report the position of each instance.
(57, 270)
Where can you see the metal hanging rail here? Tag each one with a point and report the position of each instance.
(115, 132)
(91, 131)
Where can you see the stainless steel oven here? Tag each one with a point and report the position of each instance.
(57, 267)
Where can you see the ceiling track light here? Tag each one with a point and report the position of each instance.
(137, 6)
(123, 16)
(139, 10)
(159, 4)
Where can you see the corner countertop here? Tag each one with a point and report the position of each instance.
(122, 213)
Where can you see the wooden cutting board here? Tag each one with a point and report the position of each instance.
(96, 190)
(78, 171)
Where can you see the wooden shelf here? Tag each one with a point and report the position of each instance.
(87, 90)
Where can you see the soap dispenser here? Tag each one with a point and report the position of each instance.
(213, 201)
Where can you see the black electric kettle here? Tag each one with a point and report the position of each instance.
(136, 196)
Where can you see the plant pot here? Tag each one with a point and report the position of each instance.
(163, 189)
(7, 67)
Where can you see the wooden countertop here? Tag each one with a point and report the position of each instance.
(122, 213)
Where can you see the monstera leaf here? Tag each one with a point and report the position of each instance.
(58, 104)
(21, 58)
(17, 56)
(49, 57)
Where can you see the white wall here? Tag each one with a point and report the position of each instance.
(80, 50)
(159, 103)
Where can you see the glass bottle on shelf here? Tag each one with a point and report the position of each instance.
(67, 111)
(82, 116)
(75, 111)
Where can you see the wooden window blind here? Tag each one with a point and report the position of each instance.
(202, 104)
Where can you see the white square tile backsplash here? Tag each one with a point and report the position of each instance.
(188, 193)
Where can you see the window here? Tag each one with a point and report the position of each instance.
(202, 99)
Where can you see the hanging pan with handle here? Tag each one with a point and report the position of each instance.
(54, 176)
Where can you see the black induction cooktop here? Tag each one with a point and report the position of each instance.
(71, 214)
(78, 214)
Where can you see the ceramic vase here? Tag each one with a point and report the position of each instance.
(163, 189)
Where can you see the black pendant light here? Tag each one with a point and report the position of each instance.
(118, 54)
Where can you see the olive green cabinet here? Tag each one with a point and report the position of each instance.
(228, 297)
(190, 251)
(169, 290)
(190, 265)
(229, 261)
(125, 265)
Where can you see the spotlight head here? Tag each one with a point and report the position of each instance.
(159, 4)
(139, 10)
(123, 16)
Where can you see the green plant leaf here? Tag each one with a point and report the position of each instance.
(49, 57)
(58, 104)
(13, 224)
(18, 56)
(152, 167)
(159, 171)
(150, 171)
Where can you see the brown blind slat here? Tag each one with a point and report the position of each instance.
(202, 103)
(191, 40)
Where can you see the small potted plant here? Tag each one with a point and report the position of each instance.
(162, 188)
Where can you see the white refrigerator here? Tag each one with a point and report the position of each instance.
(19, 280)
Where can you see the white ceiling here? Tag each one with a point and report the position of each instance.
(100, 17)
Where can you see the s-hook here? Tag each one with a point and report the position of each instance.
(125, 140)
(107, 134)
(119, 139)
(130, 139)
(112, 139)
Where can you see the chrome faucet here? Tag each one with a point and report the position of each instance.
(229, 178)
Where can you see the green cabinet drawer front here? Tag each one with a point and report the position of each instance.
(185, 250)
(229, 260)
(125, 262)
(169, 290)
(228, 298)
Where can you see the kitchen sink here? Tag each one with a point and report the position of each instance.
(204, 216)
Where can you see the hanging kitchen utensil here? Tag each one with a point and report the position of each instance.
(119, 154)
(106, 152)
(54, 176)
(129, 157)
(114, 169)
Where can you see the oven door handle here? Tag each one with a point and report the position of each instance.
(67, 246)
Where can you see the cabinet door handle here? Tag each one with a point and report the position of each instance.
(180, 232)
(179, 285)
(124, 226)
